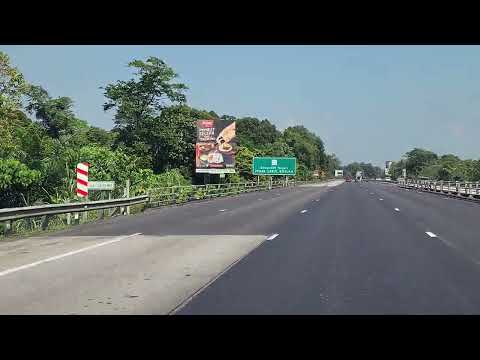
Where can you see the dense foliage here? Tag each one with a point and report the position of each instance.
(367, 169)
(151, 143)
(426, 164)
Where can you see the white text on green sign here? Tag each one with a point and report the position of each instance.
(274, 166)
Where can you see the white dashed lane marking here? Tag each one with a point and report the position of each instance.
(397, 209)
(222, 210)
(431, 234)
(303, 211)
(271, 237)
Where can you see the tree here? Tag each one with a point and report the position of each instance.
(417, 159)
(352, 168)
(244, 160)
(396, 169)
(378, 171)
(171, 138)
(12, 86)
(139, 101)
(278, 148)
(15, 178)
(254, 133)
(56, 115)
(431, 171)
(307, 147)
(99, 136)
(332, 164)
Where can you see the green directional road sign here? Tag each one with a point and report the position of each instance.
(274, 166)
(101, 185)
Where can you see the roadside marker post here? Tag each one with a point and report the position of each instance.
(82, 185)
(82, 179)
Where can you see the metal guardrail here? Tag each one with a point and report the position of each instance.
(154, 197)
(55, 209)
(182, 194)
(459, 188)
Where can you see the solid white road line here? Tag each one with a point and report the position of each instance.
(271, 237)
(397, 209)
(430, 234)
(303, 211)
(53, 258)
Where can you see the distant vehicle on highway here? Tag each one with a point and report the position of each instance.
(359, 176)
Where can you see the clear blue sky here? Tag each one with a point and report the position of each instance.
(367, 103)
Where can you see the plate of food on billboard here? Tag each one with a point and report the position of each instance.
(216, 146)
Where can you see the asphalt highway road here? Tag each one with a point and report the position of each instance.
(347, 248)
(364, 248)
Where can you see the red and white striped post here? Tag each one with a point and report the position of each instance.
(82, 179)
(82, 185)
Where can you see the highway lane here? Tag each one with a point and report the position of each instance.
(362, 250)
(455, 221)
(144, 264)
(349, 249)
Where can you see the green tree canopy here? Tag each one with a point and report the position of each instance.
(139, 101)
(12, 86)
(418, 158)
(252, 132)
(307, 147)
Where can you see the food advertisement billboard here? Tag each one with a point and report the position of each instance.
(216, 146)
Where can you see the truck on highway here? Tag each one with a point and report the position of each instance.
(358, 176)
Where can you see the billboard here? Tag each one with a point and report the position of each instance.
(338, 173)
(216, 146)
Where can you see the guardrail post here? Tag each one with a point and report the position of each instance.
(45, 221)
(8, 225)
(69, 216)
(84, 213)
(127, 193)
